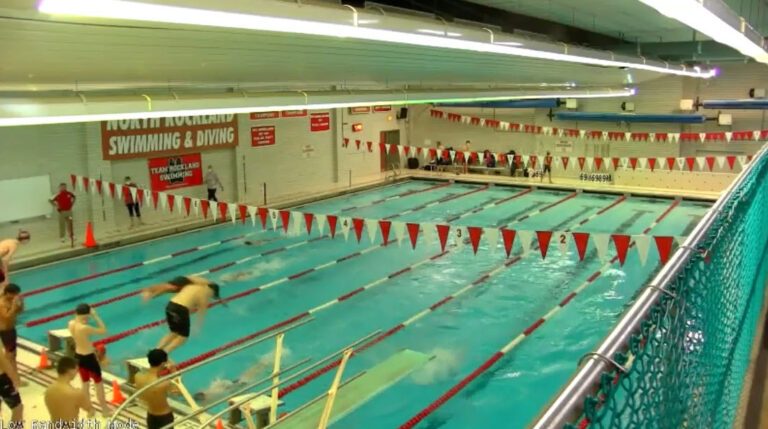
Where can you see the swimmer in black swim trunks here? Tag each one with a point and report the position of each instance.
(10, 307)
(191, 294)
(9, 390)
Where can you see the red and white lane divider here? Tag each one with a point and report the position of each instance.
(309, 312)
(436, 202)
(262, 287)
(479, 280)
(394, 197)
(487, 206)
(517, 340)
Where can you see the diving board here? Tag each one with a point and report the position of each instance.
(356, 392)
(259, 406)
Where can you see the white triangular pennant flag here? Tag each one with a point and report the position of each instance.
(680, 239)
(297, 223)
(525, 240)
(321, 220)
(652, 137)
(590, 163)
(148, 197)
(525, 160)
(742, 160)
(482, 122)
(412, 151)
(163, 197)
(214, 209)
(563, 238)
(582, 133)
(233, 212)
(643, 162)
(345, 223)
(728, 136)
(465, 119)
(459, 235)
(371, 226)
(680, 162)
(720, 161)
(601, 244)
(195, 203)
(628, 136)
(425, 154)
(466, 156)
(179, 203)
(546, 130)
(386, 147)
(674, 137)
(492, 238)
(253, 212)
(92, 186)
(701, 161)
(510, 159)
(756, 134)
(400, 150)
(118, 191)
(453, 155)
(429, 231)
(132, 190)
(399, 229)
(624, 161)
(643, 243)
(274, 215)
(607, 163)
(702, 136)
(504, 125)
(605, 135)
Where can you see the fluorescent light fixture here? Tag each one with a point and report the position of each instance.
(697, 15)
(132, 10)
(63, 119)
(509, 43)
(438, 32)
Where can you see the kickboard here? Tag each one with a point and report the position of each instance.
(356, 392)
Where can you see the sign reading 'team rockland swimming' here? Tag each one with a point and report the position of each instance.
(176, 171)
(141, 138)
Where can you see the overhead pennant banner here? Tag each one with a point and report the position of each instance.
(413, 233)
(321, 220)
(601, 244)
(581, 162)
(162, 200)
(689, 161)
(204, 205)
(642, 243)
(285, 218)
(731, 159)
(598, 162)
(580, 239)
(590, 164)
(346, 224)
(459, 235)
(297, 218)
(196, 205)
(274, 215)
(720, 161)
(263, 214)
(98, 186)
(384, 227)
(621, 242)
(670, 163)
(664, 246)
(429, 231)
(187, 204)
(112, 190)
(525, 241)
(543, 237)
(308, 220)
(633, 163)
(710, 162)
(358, 224)
(253, 213)
(701, 162)
(73, 179)
(728, 136)
(371, 227)
(399, 229)
(442, 234)
(474, 237)
(742, 160)
(615, 163)
(332, 222)
(492, 238)
(562, 238)
(564, 160)
(652, 163)
(85, 182)
(155, 196)
(232, 212)
(223, 210)
(171, 201)
(509, 239)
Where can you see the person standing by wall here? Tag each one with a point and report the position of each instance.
(547, 167)
(8, 248)
(130, 203)
(63, 201)
(212, 182)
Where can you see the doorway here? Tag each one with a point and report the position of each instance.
(390, 161)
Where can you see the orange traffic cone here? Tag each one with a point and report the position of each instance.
(219, 424)
(89, 240)
(117, 395)
(43, 360)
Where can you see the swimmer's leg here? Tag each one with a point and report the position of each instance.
(174, 343)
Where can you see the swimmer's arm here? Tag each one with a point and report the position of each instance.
(158, 289)
(100, 328)
(199, 280)
(82, 401)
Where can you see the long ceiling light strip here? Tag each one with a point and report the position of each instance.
(62, 119)
(130, 10)
(696, 14)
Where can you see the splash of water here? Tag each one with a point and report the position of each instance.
(445, 365)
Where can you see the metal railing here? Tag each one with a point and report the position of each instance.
(214, 358)
(250, 396)
(568, 405)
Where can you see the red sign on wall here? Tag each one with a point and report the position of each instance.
(263, 136)
(265, 115)
(293, 113)
(320, 121)
(382, 108)
(175, 172)
(360, 109)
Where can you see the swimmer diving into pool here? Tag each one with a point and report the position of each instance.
(191, 294)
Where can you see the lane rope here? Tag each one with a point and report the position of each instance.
(394, 197)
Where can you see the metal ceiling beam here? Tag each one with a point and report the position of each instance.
(507, 21)
(690, 51)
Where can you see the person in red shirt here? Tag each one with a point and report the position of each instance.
(547, 167)
(63, 201)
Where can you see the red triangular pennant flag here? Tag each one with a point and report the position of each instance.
(474, 236)
(509, 239)
(111, 189)
(332, 224)
(393, 149)
(442, 234)
(139, 196)
(544, 237)
(664, 246)
(187, 204)
(622, 245)
(689, 161)
(633, 162)
(155, 195)
(85, 184)
(615, 163)
(73, 179)
(171, 199)
(652, 163)
(581, 239)
(413, 233)
(532, 158)
(598, 162)
(223, 210)
(98, 185)
(670, 163)
(243, 212)
(285, 216)
(357, 143)
(749, 158)
(731, 159)
(581, 162)
(358, 224)
(263, 213)
(564, 159)
(384, 226)
(204, 205)
(710, 162)
(127, 191)
(308, 217)
(382, 148)
(370, 146)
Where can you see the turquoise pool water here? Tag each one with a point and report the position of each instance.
(462, 334)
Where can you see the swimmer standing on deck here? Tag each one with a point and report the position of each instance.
(63, 401)
(192, 294)
(85, 352)
(8, 248)
(10, 307)
(159, 413)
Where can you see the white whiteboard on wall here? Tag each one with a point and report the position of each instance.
(25, 198)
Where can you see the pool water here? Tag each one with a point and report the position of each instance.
(461, 334)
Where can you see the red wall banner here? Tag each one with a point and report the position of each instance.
(265, 115)
(320, 121)
(141, 138)
(263, 136)
(175, 172)
(360, 109)
(293, 113)
(382, 108)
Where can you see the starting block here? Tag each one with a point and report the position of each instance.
(258, 406)
(60, 341)
(135, 366)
